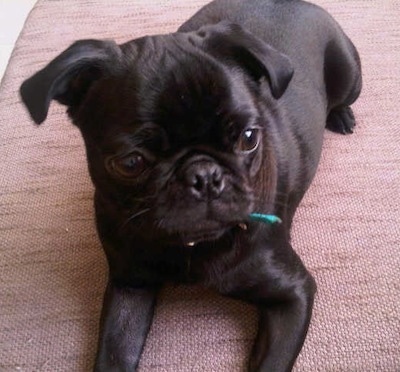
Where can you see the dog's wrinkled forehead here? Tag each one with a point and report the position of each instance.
(189, 94)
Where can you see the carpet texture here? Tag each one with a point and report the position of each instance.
(52, 270)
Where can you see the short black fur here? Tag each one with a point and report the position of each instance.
(187, 134)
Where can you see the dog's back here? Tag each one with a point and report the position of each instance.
(299, 29)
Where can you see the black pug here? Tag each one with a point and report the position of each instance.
(189, 133)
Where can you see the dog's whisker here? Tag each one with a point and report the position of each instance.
(159, 223)
(132, 217)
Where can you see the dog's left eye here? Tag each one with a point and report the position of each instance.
(248, 140)
(129, 166)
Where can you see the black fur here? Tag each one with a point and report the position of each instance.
(186, 135)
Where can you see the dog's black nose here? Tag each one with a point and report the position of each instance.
(205, 180)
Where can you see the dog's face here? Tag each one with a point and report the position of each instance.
(175, 128)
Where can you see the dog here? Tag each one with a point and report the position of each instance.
(187, 134)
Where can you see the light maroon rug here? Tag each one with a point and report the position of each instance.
(52, 270)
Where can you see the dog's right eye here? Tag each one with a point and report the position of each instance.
(129, 166)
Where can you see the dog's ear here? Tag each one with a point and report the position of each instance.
(68, 77)
(231, 42)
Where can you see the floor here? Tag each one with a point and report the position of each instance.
(12, 17)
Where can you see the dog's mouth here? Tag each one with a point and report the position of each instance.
(190, 239)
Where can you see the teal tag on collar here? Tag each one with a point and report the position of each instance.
(265, 218)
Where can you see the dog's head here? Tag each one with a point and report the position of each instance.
(175, 126)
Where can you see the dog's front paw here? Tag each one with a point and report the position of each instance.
(341, 120)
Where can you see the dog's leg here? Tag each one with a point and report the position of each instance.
(282, 329)
(125, 322)
(343, 82)
(284, 293)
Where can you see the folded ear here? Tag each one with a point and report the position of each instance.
(231, 42)
(68, 77)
